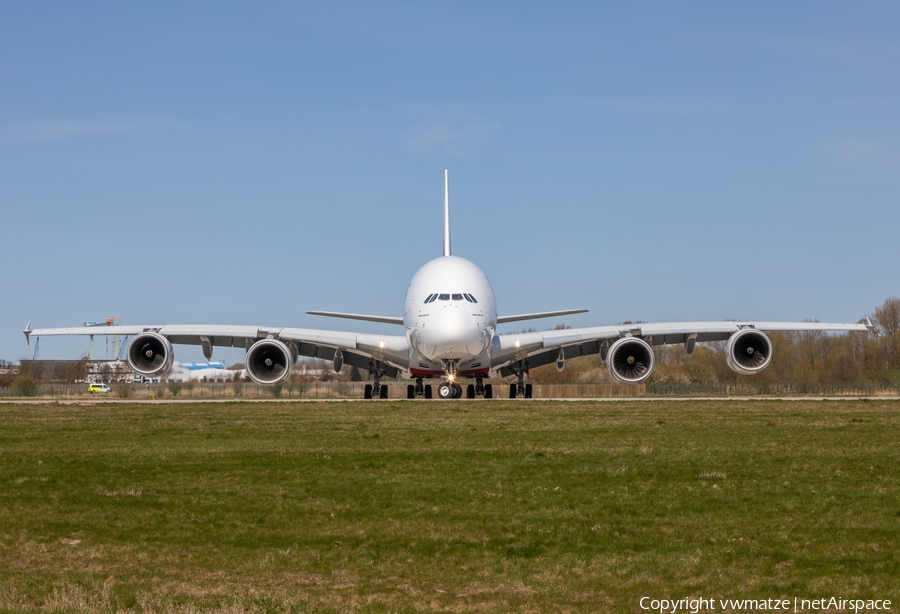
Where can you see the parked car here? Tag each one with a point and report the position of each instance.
(99, 388)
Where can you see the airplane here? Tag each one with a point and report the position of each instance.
(450, 321)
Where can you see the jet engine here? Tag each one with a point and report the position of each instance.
(630, 360)
(269, 361)
(150, 354)
(748, 351)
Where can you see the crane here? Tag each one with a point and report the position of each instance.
(117, 340)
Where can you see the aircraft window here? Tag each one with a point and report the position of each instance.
(470, 298)
(443, 297)
(457, 297)
(429, 299)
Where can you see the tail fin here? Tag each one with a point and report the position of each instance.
(447, 250)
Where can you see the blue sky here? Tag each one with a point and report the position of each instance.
(244, 163)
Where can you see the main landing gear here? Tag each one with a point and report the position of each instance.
(376, 390)
(479, 389)
(419, 390)
(520, 389)
(371, 392)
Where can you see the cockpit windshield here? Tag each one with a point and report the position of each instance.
(447, 297)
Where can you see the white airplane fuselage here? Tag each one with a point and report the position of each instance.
(450, 315)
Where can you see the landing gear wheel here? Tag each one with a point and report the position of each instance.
(512, 391)
(445, 390)
(410, 391)
(368, 392)
(470, 391)
(428, 393)
(488, 391)
(528, 391)
(457, 391)
(383, 394)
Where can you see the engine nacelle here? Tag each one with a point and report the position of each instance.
(748, 351)
(150, 354)
(269, 361)
(630, 360)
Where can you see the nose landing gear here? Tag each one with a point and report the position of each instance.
(449, 390)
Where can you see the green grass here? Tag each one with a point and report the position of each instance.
(458, 506)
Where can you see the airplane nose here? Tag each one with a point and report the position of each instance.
(452, 335)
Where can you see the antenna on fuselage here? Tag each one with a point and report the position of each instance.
(447, 251)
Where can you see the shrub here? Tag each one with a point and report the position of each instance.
(25, 386)
(175, 388)
(124, 391)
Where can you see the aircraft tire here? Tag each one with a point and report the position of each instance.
(457, 391)
(512, 391)
(410, 391)
(488, 391)
(368, 392)
(428, 392)
(384, 392)
(528, 390)
(470, 391)
(446, 391)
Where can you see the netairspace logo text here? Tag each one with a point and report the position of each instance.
(797, 604)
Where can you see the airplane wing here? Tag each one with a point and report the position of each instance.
(534, 316)
(358, 316)
(541, 348)
(356, 348)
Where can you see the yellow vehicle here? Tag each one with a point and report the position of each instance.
(99, 388)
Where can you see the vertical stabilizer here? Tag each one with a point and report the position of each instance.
(447, 251)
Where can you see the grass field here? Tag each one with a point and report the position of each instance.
(459, 506)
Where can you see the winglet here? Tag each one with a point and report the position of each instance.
(869, 324)
(27, 332)
(447, 251)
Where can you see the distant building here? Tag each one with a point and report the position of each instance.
(202, 371)
(197, 366)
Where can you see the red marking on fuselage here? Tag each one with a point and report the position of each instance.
(433, 374)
